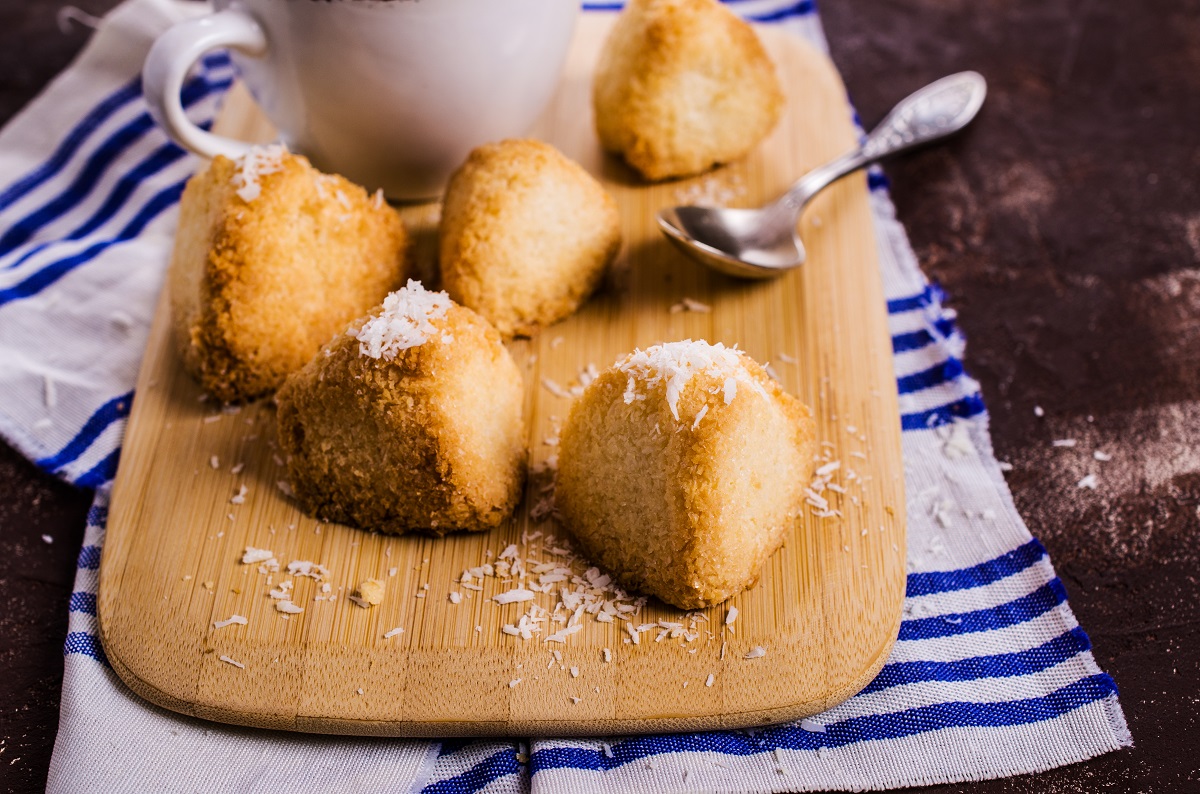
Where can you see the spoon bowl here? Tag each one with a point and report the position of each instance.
(764, 243)
(708, 235)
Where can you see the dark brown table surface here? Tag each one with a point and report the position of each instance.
(1065, 224)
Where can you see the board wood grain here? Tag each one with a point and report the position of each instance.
(826, 609)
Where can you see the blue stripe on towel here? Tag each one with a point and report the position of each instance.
(1001, 665)
(871, 727)
(927, 297)
(965, 408)
(70, 144)
(801, 8)
(82, 602)
(1015, 561)
(84, 643)
(947, 370)
(96, 166)
(1020, 610)
(158, 160)
(89, 558)
(115, 409)
(915, 340)
(490, 769)
(35, 283)
(102, 472)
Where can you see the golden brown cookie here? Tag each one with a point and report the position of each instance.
(682, 468)
(682, 85)
(526, 235)
(409, 421)
(272, 258)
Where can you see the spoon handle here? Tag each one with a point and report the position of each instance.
(939, 109)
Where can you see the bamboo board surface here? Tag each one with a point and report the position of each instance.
(826, 608)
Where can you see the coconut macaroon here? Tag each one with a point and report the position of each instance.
(272, 258)
(526, 235)
(411, 420)
(681, 469)
(682, 85)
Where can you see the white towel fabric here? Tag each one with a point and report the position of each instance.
(991, 676)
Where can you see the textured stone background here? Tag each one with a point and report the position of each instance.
(1065, 225)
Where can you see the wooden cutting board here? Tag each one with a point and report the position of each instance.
(826, 609)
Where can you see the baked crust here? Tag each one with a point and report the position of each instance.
(685, 510)
(682, 85)
(432, 440)
(257, 286)
(526, 235)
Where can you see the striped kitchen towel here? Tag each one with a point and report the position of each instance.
(991, 675)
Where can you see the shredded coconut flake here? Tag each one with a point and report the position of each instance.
(231, 620)
(689, 305)
(513, 683)
(233, 662)
(239, 497)
(288, 608)
(1101, 456)
(812, 726)
(387, 635)
(1090, 482)
(1064, 442)
(513, 596)
(252, 555)
(406, 320)
(675, 363)
(757, 652)
(731, 616)
(255, 164)
(709, 681)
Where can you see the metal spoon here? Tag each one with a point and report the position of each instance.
(763, 243)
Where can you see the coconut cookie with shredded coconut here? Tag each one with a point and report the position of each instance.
(409, 421)
(526, 235)
(273, 258)
(681, 469)
(682, 85)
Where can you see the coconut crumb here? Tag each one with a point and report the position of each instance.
(1091, 482)
(455, 598)
(811, 726)
(607, 655)
(405, 321)
(731, 616)
(215, 462)
(370, 591)
(255, 164)
(233, 662)
(305, 568)
(288, 608)
(757, 652)
(239, 497)
(711, 678)
(554, 388)
(689, 305)
(230, 621)
(252, 555)
(1038, 411)
(1064, 442)
(387, 635)
(1101, 456)
(513, 596)
(513, 683)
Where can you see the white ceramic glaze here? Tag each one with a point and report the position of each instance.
(389, 93)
